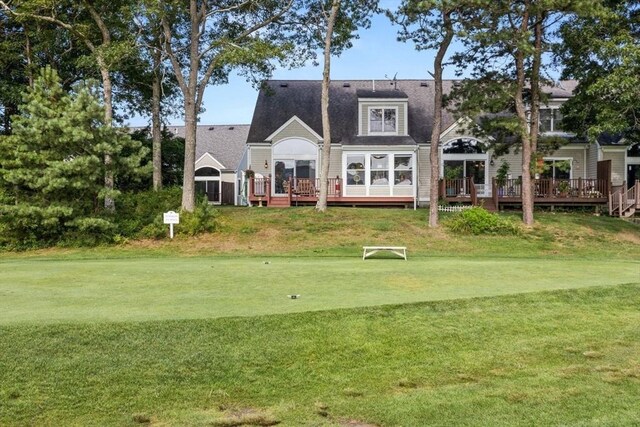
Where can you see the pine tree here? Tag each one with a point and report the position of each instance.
(52, 165)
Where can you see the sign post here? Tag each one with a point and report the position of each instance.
(171, 218)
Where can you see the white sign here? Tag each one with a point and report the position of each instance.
(171, 218)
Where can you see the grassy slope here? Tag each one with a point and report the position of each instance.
(343, 231)
(559, 358)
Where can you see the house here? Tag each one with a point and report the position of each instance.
(219, 155)
(380, 150)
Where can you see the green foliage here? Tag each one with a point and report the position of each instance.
(172, 160)
(602, 51)
(53, 165)
(480, 221)
(202, 220)
(502, 173)
(140, 213)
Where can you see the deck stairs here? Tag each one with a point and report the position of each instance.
(279, 202)
(487, 203)
(624, 202)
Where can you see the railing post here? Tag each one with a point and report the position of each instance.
(268, 190)
(289, 190)
(251, 189)
(580, 187)
(620, 203)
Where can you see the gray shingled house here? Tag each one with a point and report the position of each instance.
(219, 154)
(380, 149)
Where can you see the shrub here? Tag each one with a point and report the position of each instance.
(202, 220)
(138, 210)
(479, 221)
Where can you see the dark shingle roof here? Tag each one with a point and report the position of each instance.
(226, 143)
(386, 94)
(284, 99)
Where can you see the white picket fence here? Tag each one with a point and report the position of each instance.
(458, 208)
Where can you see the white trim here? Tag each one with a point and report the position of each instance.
(382, 107)
(613, 149)
(365, 100)
(455, 124)
(390, 169)
(485, 157)
(554, 158)
(370, 148)
(221, 166)
(288, 122)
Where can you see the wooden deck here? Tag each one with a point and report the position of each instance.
(304, 192)
(549, 192)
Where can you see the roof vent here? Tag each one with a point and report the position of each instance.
(284, 84)
(211, 128)
(346, 84)
(231, 127)
(424, 84)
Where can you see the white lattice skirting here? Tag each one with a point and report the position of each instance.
(453, 208)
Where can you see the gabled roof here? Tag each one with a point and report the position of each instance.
(280, 100)
(225, 143)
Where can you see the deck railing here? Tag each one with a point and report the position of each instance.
(555, 188)
(624, 199)
(294, 187)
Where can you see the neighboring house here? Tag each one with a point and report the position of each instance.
(219, 161)
(380, 149)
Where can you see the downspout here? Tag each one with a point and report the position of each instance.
(416, 180)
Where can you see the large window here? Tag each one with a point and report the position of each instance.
(402, 170)
(293, 159)
(379, 169)
(355, 169)
(383, 120)
(556, 168)
(208, 183)
(550, 120)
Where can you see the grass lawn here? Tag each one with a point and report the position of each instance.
(536, 329)
(125, 289)
(566, 357)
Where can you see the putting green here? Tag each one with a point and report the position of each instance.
(141, 289)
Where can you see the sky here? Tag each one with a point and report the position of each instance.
(375, 55)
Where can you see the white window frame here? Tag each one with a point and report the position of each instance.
(561, 159)
(391, 168)
(207, 178)
(382, 107)
(553, 120)
(471, 157)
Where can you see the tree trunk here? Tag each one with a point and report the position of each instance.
(155, 123)
(527, 188)
(109, 202)
(535, 83)
(28, 55)
(321, 206)
(434, 155)
(190, 127)
(190, 92)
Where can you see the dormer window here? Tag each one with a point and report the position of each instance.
(383, 120)
(550, 120)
